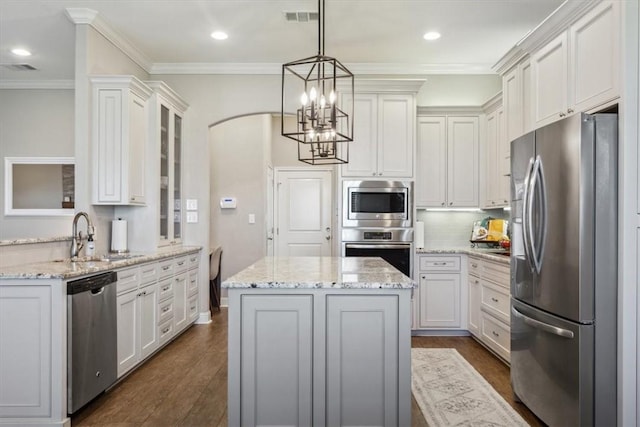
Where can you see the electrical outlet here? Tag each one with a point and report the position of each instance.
(192, 217)
(192, 204)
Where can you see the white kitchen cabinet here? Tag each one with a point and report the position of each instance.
(148, 306)
(383, 136)
(439, 292)
(180, 300)
(497, 157)
(516, 100)
(127, 314)
(489, 304)
(119, 140)
(448, 177)
(319, 357)
(167, 112)
(578, 70)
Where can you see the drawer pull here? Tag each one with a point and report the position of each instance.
(193, 259)
(439, 263)
(166, 288)
(495, 334)
(181, 263)
(165, 268)
(476, 281)
(494, 299)
(474, 265)
(165, 330)
(164, 310)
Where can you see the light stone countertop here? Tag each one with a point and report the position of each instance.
(65, 269)
(13, 242)
(320, 273)
(489, 254)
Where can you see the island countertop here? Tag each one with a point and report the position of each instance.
(320, 273)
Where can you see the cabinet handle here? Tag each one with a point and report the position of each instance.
(439, 263)
(493, 202)
(494, 299)
(423, 277)
(562, 114)
(450, 203)
(165, 268)
(442, 204)
(570, 110)
(177, 279)
(164, 310)
(373, 174)
(181, 263)
(495, 333)
(166, 288)
(474, 265)
(165, 330)
(476, 281)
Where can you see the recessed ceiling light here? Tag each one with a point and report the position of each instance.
(431, 35)
(20, 52)
(219, 35)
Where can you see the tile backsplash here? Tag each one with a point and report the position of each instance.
(445, 229)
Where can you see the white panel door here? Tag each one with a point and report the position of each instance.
(127, 315)
(549, 88)
(462, 162)
(137, 149)
(362, 151)
(512, 102)
(180, 300)
(269, 220)
(431, 165)
(148, 315)
(395, 135)
(439, 301)
(491, 175)
(303, 213)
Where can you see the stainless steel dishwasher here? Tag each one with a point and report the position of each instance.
(92, 352)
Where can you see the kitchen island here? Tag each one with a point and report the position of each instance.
(319, 341)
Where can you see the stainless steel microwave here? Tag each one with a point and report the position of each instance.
(377, 203)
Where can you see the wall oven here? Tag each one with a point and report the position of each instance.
(377, 204)
(392, 245)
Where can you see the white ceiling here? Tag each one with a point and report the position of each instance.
(379, 36)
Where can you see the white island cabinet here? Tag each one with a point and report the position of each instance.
(319, 341)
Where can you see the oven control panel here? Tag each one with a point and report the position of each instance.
(377, 235)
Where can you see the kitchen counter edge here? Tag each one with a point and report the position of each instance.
(481, 253)
(69, 270)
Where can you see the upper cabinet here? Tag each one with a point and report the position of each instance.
(447, 161)
(497, 172)
(383, 135)
(167, 112)
(516, 98)
(578, 70)
(119, 139)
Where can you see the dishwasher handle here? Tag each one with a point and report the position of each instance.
(92, 282)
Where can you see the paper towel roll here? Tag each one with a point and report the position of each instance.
(419, 235)
(118, 235)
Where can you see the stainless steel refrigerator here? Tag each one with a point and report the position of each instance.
(564, 270)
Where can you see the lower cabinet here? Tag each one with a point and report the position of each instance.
(439, 292)
(155, 302)
(319, 357)
(489, 304)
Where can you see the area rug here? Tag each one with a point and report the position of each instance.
(450, 392)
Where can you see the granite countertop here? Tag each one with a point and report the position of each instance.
(66, 269)
(320, 273)
(489, 254)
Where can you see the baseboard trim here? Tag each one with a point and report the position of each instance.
(439, 333)
(204, 318)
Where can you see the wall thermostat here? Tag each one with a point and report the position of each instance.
(228, 203)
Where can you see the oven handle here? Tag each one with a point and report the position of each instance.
(376, 246)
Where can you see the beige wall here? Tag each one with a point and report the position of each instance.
(238, 167)
(40, 123)
(284, 150)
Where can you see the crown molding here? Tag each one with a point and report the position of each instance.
(37, 84)
(378, 85)
(554, 24)
(355, 68)
(457, 110)
(169, 94)
(92, 18)
(493, 103)
(119, 82)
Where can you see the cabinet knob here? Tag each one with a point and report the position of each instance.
(495, 333)
(562, 114)
(442, 203)
(450, 203)
(493, 202)
(570, 110)
(494, 299)
(373, 174)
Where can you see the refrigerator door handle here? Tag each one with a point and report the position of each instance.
(537, 181)
(526, 214)
(565, 333)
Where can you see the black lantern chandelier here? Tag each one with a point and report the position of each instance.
(321, 128)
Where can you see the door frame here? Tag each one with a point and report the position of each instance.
(276, 197)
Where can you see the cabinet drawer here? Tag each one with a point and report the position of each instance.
(497, 273)
(180, 264)
(165, 331)
(496, 335)
(193, 260)
(474, 266)
(165, 311)
(165, 268)
(165, 289)
(495, 301)
(148, 273)
(128, 279)
(440, 263)
(192, 285)
(192, 311)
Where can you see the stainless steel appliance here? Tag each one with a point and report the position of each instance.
(92, 346)
(563, 270)
(392, 245)
(377, 204)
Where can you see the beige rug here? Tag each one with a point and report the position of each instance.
(451, 393)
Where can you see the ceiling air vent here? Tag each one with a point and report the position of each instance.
(301, 16)
(19, 67)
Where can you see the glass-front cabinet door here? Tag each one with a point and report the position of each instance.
(177, 177)
(164, 174)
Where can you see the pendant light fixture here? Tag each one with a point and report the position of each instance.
(310, 87)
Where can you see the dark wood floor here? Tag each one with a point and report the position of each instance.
(185, 384)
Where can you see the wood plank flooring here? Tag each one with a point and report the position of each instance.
(185, 384)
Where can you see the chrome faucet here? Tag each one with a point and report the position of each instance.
(76, 238)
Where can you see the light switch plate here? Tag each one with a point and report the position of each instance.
(192, 204)
(192, 217)
(252, 218)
